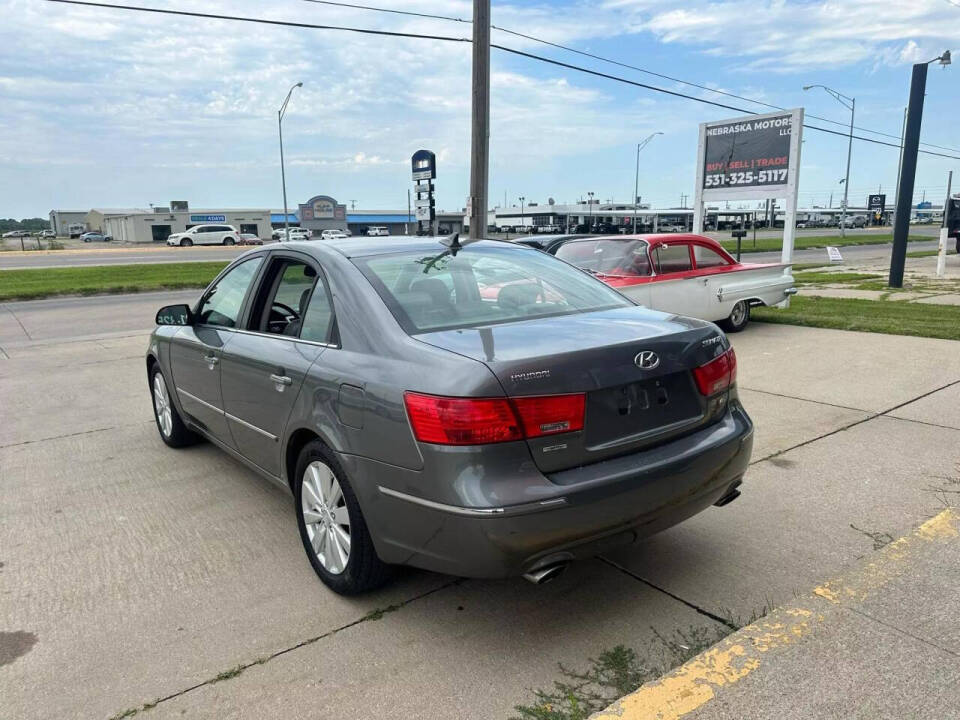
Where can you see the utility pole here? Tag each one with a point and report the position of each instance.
(911, 146)
(406, 225)
(480, 136)
(522, 223)
(896, 188)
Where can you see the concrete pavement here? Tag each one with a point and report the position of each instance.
(879, 641)
(132, 572)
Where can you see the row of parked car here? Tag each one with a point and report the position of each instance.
(27, 233)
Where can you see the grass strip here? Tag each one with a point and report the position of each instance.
(876, 316)
(805, 242)
(32, 283)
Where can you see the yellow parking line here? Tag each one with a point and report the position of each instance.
(696, 682)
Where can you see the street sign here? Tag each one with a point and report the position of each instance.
(876, 204)
(833, 254)
(425, 213)
(424, 202)
(423, 167)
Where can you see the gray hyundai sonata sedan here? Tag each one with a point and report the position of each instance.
(482, 410)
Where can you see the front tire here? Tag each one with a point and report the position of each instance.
(186, 242)
(332, 527)
(172, 429)
(739, 317)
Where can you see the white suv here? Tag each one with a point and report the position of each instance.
(333, 234)
(206, 235)
(377, 230)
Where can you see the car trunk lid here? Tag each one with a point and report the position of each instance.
(632, 364)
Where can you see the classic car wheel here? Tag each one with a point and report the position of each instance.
(332, 527)
(172, 429)
(739, 317)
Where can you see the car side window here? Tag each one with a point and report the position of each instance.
(222, 303)
(318, 320)
(673, 258)
(290, 288)
(708, 258)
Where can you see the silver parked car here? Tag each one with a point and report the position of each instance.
(482, 410)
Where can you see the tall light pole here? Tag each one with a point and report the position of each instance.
(521, 199)
(590, 208)
(851, 105)
(911, 146)
(283, 175)
(636, 178)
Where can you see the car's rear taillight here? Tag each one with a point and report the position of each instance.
(461, 421)
(549, 414)
(480, 421)
(718, 374)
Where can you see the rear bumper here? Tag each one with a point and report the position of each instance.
(608, 503)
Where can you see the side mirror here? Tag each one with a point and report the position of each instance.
(175, 315)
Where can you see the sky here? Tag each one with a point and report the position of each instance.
(110, 108)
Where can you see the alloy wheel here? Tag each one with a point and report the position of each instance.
(325, 517)
(161, 405)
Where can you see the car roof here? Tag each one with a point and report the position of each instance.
(362, 246)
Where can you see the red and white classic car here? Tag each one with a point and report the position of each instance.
(681, 274)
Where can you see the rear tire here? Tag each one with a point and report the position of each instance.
(186, 242)
(332, 526)
(172, 429)
(229, 241)
(738, 319)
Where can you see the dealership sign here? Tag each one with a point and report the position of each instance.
(754, 156)
(208, 218)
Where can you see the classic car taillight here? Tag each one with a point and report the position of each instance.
(479, 421)
(718, 374)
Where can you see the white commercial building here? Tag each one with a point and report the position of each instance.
(146, 226)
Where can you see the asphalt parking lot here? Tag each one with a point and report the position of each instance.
(132, 574)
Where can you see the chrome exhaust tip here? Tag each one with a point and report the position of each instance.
(545, 574)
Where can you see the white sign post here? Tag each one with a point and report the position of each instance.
(756, 157)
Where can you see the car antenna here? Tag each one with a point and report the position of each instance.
(452, 241)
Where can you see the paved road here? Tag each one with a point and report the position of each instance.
(850, 253)
(126, 255)
(130, 572)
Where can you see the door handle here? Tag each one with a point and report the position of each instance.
(281, 380)
(211, 361)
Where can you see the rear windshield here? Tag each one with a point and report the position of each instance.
(609, 257)
(482, 285)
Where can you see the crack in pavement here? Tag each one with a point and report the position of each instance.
(375, 614)
(726, 622)
(59, 437)
(872, 416)
(14, 316)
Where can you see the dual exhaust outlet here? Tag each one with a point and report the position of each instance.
(545, 574)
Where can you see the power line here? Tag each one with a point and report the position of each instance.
(567, 48)
(447, 38)
(597, 73)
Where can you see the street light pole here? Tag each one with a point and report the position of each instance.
(283, 175)
(636, 179)
(521, 199)
(480, 120)
(852, 106)
(590, 208)
(911, 146)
